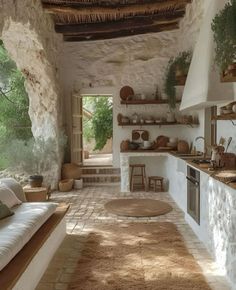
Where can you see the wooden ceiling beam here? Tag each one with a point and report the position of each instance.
(100, 3)
(131, 23)
(120, 33)
(145, 8)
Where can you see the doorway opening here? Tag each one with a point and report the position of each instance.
(97, 120)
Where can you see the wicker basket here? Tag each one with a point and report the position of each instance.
(66, 185)
(70, 171)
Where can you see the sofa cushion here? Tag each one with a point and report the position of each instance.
(8, 197)
(15, 187)
(16, 231)
(5, 211)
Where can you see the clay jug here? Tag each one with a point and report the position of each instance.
(70, 171)
(124, 145)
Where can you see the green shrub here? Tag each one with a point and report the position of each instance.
(224, 29)
(179, 63)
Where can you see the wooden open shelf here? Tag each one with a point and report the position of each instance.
(225, 117)
(157, 124)
(145, 102)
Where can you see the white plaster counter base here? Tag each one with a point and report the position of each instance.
(217, 229)
(125, 161)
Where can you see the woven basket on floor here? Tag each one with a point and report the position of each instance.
(66, 185)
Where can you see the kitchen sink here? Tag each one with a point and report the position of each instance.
(201, 161)
(189, 155)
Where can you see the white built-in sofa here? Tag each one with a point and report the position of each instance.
(17, 230)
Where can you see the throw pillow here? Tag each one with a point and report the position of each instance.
(5, 211)
(8, 197)
(15, 187)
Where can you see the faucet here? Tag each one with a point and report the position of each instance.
(205, 147)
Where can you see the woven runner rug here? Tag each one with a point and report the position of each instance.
(137, 256)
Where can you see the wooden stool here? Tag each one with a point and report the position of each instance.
(142, 175)
(157, 183)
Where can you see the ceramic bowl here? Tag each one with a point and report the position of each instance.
(149, 121)
(173, 140)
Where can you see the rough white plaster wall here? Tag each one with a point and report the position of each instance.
(29, 37)
(138, 61)
(217, 230)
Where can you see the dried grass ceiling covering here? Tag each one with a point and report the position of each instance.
(83, 20)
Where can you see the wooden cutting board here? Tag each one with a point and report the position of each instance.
(126, 92)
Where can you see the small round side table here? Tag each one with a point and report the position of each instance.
(35, 194)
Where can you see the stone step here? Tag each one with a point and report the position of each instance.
(101, 184)
(101, 178)
(100, 170)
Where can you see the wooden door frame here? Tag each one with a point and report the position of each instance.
(76, 154)
(106, 91)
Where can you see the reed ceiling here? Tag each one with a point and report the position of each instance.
(84, 20)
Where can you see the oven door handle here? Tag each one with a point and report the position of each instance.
(192, 181)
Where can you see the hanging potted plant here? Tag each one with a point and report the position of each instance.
(176, 74)
(224, 30)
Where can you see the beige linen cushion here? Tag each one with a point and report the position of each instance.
(15, 187)
(8, 197)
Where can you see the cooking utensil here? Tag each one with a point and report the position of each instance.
(222, 141)
(228, 143)
(126, 92)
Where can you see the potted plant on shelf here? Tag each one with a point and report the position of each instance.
(176, 74)
(224, 31)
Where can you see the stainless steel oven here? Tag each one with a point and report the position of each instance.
(193, 193)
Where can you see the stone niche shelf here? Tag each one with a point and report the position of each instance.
(145, 102)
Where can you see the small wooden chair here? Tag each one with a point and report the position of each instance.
(156, 183)
(141, 174)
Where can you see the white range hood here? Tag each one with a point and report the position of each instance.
(203, 87)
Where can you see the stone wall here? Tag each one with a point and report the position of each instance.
(138, 61)
(29, 37)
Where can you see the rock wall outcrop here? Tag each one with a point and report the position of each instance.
(29, 37)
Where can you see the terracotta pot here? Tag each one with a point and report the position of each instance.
(124, 145)
(183, 146)
(36, 180)
(162, 141)
(70, 171)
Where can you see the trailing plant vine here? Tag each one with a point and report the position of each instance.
(179, 64)
(224, 29)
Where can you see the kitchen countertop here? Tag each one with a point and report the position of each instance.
(213, 173)
(188, 161)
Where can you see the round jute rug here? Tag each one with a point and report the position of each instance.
(137, 207)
